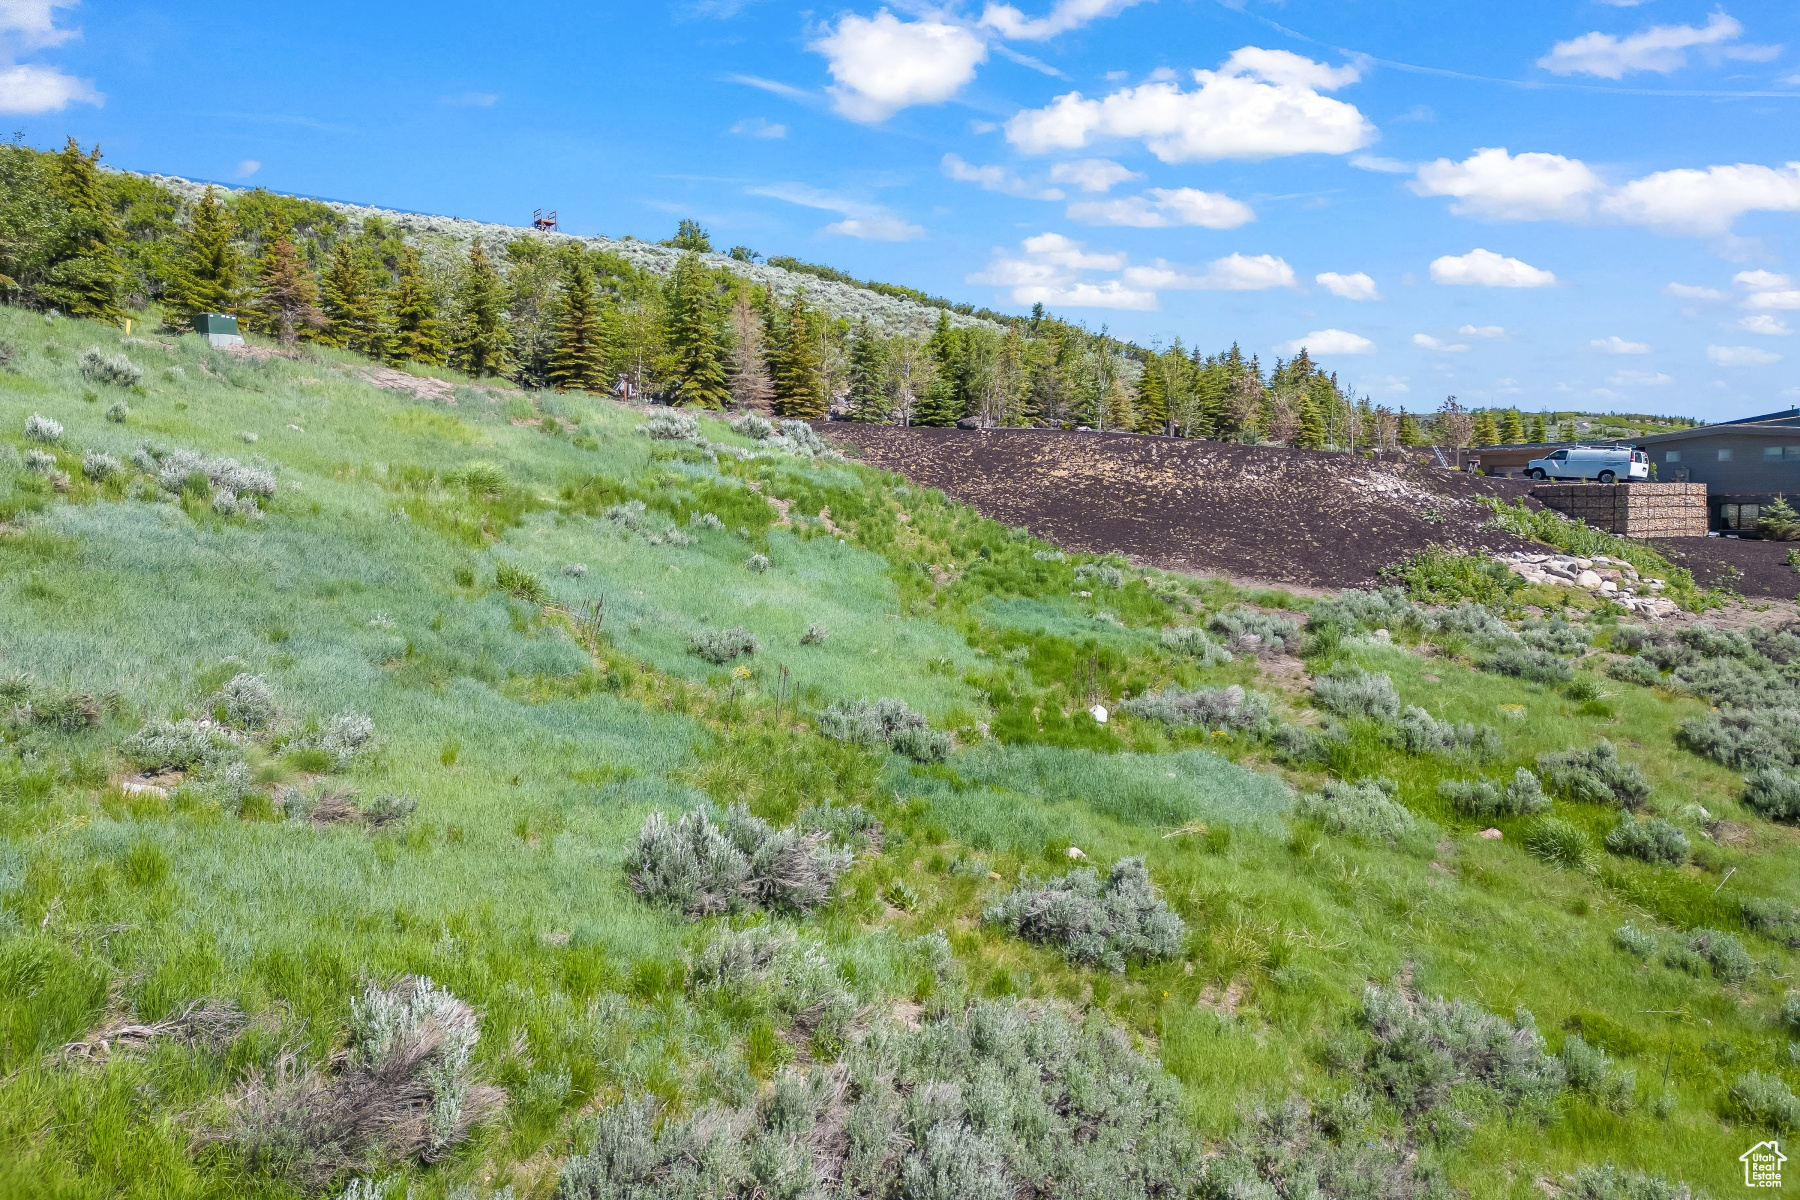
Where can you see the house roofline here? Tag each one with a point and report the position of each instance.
(1682, 435)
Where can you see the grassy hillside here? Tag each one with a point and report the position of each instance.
(515, 590)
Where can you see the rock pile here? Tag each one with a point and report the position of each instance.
(1613, 578)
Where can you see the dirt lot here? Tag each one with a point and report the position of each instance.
(1751, 568)
(1297, 518)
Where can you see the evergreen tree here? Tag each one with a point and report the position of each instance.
(1485, 433)
(86, 276)
(1512, 429)
(578, 360)
(1312, 424)
(1410, 433)
(352, 297)
(206, 278)
(480, 341)
(1151, 405)
(287, 296)
(413, 315)
(797, 392)
(693, 239)
(1539, 432)
(698, 375)
(868, 377)
(940, 406)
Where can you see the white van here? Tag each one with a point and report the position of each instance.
(1603, 464)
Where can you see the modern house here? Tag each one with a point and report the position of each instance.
(1744, 464)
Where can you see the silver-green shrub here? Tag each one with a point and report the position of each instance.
(1635, 941)
(1368, 809)
(341, 736)
(1099, 575)
(1192, 641)
(1555, 636)
(752, 426)
(886, 722)
(39, 428)
(1592, 1071)
(1789, 1015)
(769, 971)
(706, 863)
(720, 646)
(1485, 798)
(1651, 839)
(98, 466)
(248, 702)
(1418, 732)
(117, 411)
(757, 564)
(1528, 662)
(1425, 1049)
(1250, 632)
(1352, 692)
(1610, 1182)
(1638, 670)
(40, 462)
(99, 367)
(1774, 795)
(815, 635)
(673, 425)
(1596, 776)
(1388, 609)
(1471, 620)
(1106, 922)
(179, 745)
(1723, 953)
(1766, 1101)
(1230, 709)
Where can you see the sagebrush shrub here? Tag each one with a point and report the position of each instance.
(1471, 620)
(41, 462)
(673, 425)
(1766, 1101)
(1230, 709)
(405, 1091)
(1774, 795)
(1099, 575)
(1745, 739)
(246, 702)
(99, 367)
(851, 825)
(1773, 918)
(1107, 922)
(1638, 670)
(720, 646)
(752, 426)
(1555, 636)
(1388, 608)
(708, 863)
(117, 411)
(770, 971)
(1523, 796)
(1528, 662)
(815, 635)
(1611, 1182)
(886, 722)
(1635, 941)
(997, 1101)
(1248, 631)
(1789, 1015)
(178, 745)
(1352, 692)
(1049, 556)
(174, 468)
(1732, 683)
(757, 563)
(1368, 809)
(1592, 1071)
(1557, 842)
(797, 437)
(1724, 953)
(340, 737)
(1192, 641)
(98, 466)
(1423, 1050)
(1301, 745)
(1651, 839)
(1418, 732)
(39, 428)
(1596, 776)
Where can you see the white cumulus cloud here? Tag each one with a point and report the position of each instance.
(1092, 174)
(247, 168)
(1761, 281)
(1661, 49)
(1233, 273)
(1688, 291)
(1526, 187)
(1787, 301)
(1259, 104)
(997, 179)
(1483, 331)
(1705, 203)
(883, 64)
(1484, 268)
(1009, 22)
(1350, 287)
(1740, 356)
(28, 89)
(1767, 324)
(1639, 379)
(1329, 341)
(1428, 342)
(1160, 208)
(1618, 345)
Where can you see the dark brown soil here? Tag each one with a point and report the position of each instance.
(1750, 568)
(1297, 518)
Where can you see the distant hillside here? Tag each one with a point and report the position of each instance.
(891, 314)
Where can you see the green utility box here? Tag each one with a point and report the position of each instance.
(220, 330)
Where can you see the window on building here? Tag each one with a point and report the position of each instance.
(1771, 453)
(1673, 456)
(1739, 516)
(1725, 455)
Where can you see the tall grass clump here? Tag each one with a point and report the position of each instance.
(708, 863)
(1105, 922)
(1558, 843)
(1596, 776)
(1523, 796)
(405, 1091)
(519, 583)
(889, 723)
(1221, 710)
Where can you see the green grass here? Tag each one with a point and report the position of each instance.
(412, 567)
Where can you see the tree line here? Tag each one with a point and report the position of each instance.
(554, 313)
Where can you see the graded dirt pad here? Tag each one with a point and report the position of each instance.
(1748, 567)
(1296, 518)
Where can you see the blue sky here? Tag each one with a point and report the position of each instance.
(1580, 203)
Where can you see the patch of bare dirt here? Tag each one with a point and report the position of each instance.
(1302, 519)
(438, 391)
(1748, 567)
